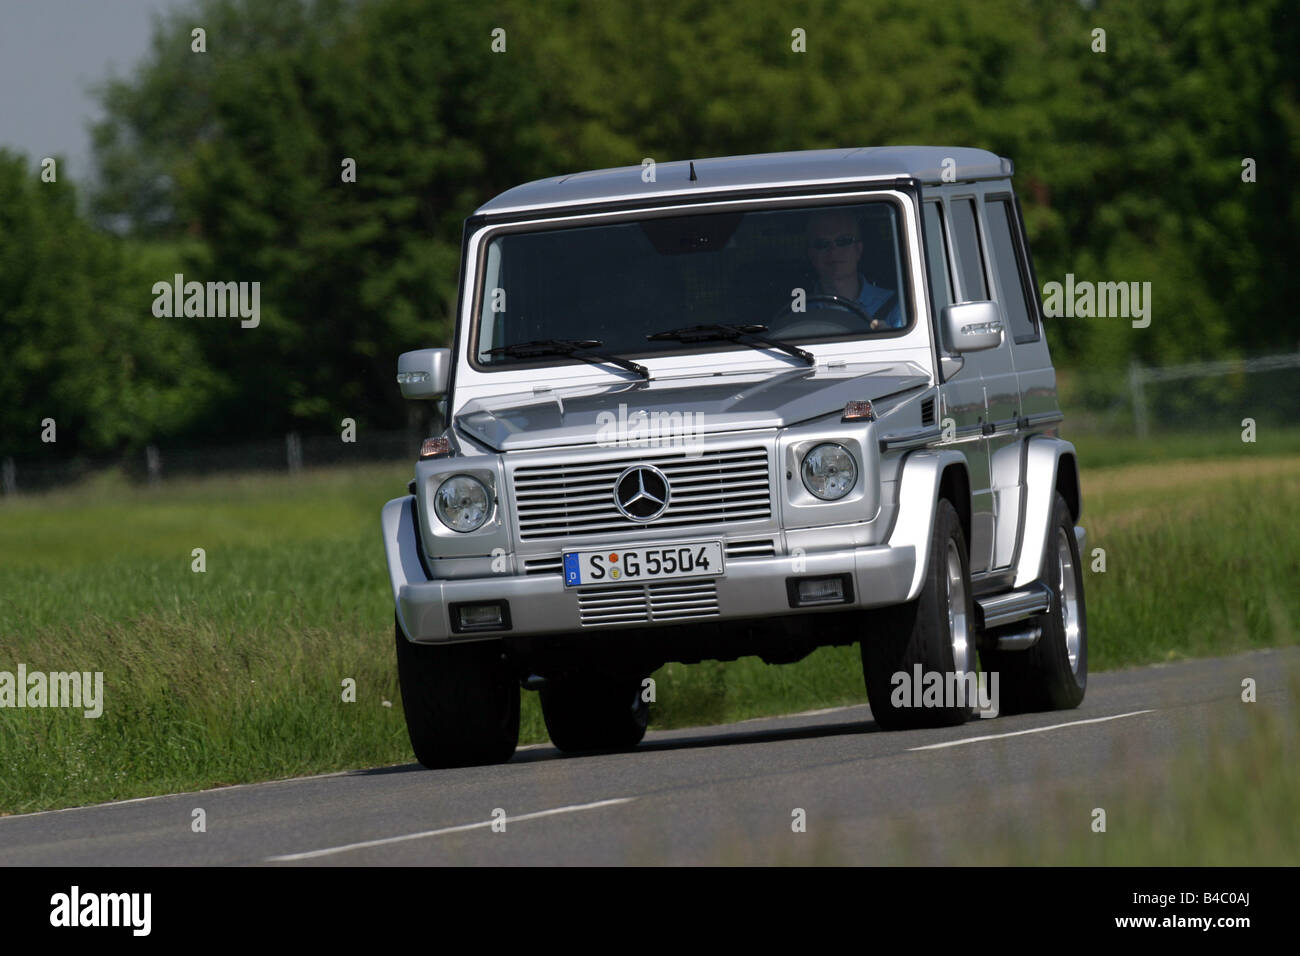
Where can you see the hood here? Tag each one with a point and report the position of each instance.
(684, 408)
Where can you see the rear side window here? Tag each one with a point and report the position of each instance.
(970, 263)
(1011, 276)
(936, 258)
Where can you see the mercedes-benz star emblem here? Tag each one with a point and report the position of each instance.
(641, 493)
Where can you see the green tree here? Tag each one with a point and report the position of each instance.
(351, 272)
(1128, 161)
(77, 335)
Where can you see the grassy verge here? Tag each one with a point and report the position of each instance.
(1221, 442)
(237, 673)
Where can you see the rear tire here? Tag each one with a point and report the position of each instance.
(461, 702)
(588, 714)
(936, 631)
(1053, 673)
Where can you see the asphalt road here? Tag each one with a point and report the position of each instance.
(723, 794)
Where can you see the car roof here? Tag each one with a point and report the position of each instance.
(925, 164)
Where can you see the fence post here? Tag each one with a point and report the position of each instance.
(8, 477)
(293, 448)
(153, 464)
(1135, 377)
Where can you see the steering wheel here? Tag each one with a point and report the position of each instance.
(811, 326)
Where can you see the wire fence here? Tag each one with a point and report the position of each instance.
(1150, 401)
(1137, 400)
(155, 465)
(1265, 389)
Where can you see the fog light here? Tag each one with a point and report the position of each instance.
(821, 589)
(480, 617)
(804, 592)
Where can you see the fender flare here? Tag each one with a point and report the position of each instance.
(1042, 471)
(402, 548)
(918, 496)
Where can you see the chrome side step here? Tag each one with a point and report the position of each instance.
(1001, 609)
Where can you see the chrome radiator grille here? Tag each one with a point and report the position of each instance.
(638, 603)
(714, 487)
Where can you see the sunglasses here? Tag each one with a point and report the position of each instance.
(821, 245)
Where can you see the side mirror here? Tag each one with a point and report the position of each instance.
(424, 372)
(972, 326)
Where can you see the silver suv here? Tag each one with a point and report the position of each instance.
(751, 405)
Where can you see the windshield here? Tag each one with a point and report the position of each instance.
(718, 280)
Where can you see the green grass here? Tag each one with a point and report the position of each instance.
(1222, 441)
(236, 674)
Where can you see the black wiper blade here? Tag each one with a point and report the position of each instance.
(751, 335)
(584, 349)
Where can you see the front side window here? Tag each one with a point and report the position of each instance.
(633, 286)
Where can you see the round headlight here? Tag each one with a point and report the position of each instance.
(462, 503)
(829, 472)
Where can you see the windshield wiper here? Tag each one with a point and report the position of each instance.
(750, 335)
(582, 349)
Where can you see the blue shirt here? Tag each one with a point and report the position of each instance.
(872, 298)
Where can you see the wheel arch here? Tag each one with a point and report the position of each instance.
(928, 476)
(1067, 483)
(403, 551)
(954, 484)
(1050, 466)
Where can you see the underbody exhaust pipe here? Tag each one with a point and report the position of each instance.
(1019, 640)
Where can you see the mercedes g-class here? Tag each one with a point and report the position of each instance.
(738, 406)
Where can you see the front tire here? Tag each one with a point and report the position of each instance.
(936, 631)
(1053, 673)
(461, 702)
(590, 714)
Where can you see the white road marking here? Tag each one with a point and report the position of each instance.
(311, 854)
(651, 736)
(1032, 730)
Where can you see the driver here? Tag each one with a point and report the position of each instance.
(835, 248)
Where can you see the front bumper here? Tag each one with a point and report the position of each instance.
(540, 604)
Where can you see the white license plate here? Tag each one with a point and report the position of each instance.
(698, 559)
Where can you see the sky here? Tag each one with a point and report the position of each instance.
(51, 53)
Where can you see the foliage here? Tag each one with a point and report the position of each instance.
(75, 345)
(1129, 165)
